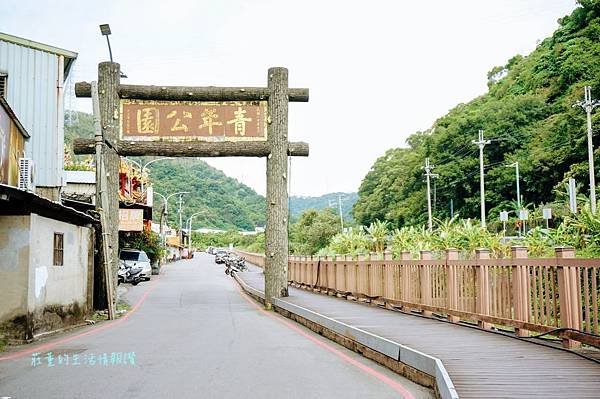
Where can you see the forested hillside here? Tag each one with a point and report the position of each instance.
(528, 115)
(299, 204)
(228, 204)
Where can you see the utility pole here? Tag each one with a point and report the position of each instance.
(516, 166)
(180, 219)
(588, 105)
(339, 205)
(434, 191)
(481, 143)
(428, 168)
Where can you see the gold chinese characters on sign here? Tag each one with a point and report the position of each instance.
(193, 120)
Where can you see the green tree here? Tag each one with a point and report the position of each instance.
(528, 115)
(313, 231)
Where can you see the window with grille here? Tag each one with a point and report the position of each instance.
(3, 81)
(58, 249)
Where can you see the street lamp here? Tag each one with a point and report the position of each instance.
(105, 30)
(588, 105)
(166, 199)
(143, 167)
(166, 207)
(189, 224)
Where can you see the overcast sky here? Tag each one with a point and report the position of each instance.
(377, 70)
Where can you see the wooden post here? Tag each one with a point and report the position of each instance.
(108, 94)
(426, 282)
(483, 287)
(405, 277)
(452, 284)
(568, 295)
(388, 278)
(276, 235)
(520, 282)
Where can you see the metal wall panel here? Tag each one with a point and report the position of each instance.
(32, 94)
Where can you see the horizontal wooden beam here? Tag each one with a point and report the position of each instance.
(183, 93)
(192, 148)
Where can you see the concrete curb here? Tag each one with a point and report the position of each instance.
(418, 360)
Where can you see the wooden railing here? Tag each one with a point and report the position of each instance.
(256, 259)
(557, 296)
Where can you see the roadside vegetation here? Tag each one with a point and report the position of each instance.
(529, 117)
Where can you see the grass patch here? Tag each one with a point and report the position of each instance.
(123, 306)
(2, 345)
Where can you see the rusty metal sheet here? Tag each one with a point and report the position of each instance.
(145, 120)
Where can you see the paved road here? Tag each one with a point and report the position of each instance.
(196, 336)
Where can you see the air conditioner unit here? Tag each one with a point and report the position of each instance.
(26, 174)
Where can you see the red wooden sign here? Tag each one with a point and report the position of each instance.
(193, 120)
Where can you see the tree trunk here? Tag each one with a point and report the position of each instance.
(192, 148)
(185, 93)
(276, 235)
(108, 94)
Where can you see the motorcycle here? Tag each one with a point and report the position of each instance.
(235, 264)
(129, 274)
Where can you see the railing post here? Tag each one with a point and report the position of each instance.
(568, 295)
(520, 281)
(425, 274)
(483, 287)
(405, 294)
(340, 270)
(330, 276)
(316, 268)
(451, 281)
(388, 278)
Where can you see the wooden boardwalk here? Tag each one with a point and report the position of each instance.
(480, 364)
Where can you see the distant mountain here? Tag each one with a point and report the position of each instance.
(299, 204)
(224, 202)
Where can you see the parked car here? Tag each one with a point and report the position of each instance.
(137, 258)
(221, 256)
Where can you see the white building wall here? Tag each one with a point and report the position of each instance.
(57, 285)
(32, 92)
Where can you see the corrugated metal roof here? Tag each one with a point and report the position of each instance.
(32, 93)
(70, 56)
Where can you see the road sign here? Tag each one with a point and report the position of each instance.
(154, 120)
(547, 213)
(523, 214)
(504, 216)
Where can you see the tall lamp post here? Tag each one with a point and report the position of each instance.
(588, 105)
(189, 228)
(516, 166)
(105, 30)
(164, 211)
(144, 166)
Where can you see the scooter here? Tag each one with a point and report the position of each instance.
(235, 265)
(129, 274)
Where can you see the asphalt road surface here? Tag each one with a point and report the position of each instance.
(193, 334)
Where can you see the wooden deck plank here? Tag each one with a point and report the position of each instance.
(481, 364)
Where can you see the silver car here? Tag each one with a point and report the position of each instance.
(136, 257)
